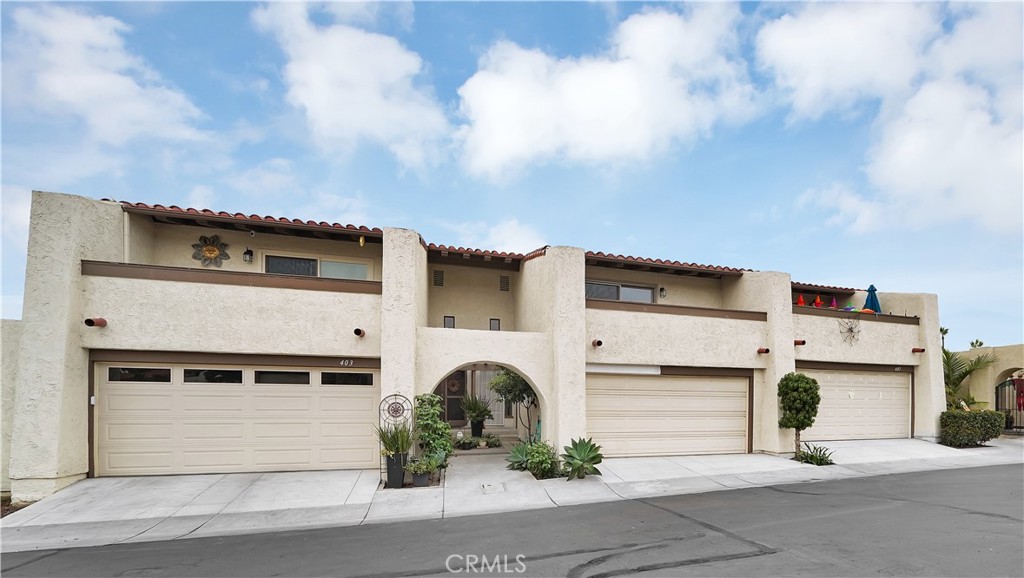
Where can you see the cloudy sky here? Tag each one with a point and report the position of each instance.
(846, 144)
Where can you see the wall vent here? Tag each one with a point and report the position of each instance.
(438, 278)
(503, 283)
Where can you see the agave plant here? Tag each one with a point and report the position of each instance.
(581, 458)
(518, 457)
(816, 455)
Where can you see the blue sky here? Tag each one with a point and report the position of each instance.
(846, 144)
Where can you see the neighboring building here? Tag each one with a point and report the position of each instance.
(257, 365)
(993, 386)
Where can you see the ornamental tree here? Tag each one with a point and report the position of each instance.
(511, 387)
(799, 396)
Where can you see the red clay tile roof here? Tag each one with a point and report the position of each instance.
(812, 287)
(663, 263)
(175, 210)
(467, 250)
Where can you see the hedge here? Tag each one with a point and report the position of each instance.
(962, 429)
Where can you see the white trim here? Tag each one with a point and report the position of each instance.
(623, 369)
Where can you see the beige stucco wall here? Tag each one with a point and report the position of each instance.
(172, 246)
(472, 295)
(403, 310)
(878, 340)
(49, 437)
(769, 292)
(982, 384)
(10, 344)
(140, 239)
(690, 291)
(531, 289)
(178, 316)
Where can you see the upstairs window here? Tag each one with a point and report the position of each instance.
(307, 267)
(619, 292)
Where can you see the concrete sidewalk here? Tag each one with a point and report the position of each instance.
(101, 511)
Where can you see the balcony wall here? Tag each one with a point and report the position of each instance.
(882, 339)
(472, 296)
(701, 338)
(679, 290)
(148, 314)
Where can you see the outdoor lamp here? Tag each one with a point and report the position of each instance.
(247, 255)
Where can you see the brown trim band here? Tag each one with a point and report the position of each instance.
(180, 357)
(707, 371)
(806, 310)
(242, 278)
(828, 365)
(676, 310)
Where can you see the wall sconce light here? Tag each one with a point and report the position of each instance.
(763, 350)
(359, 332)
(917, 350)
(597, 343)
(247, 255)
(663, 293)
(95, 322)
(799, 342)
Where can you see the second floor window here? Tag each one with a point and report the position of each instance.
(619, 292)
(315, 267)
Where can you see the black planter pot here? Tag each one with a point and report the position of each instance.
(476, 428)
(396, 470)
(420, 480)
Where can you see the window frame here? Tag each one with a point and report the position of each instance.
(371, 272)
(494, 324)
(444, 321)
(618, 290)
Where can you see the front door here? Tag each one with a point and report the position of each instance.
(454, 390)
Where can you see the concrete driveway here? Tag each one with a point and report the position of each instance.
(116, 510)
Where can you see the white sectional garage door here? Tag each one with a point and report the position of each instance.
(859, 405)
(633, 415)
(177, 419)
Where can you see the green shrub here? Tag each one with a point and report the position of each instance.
(799, 396)
(538, 458)
(581, 458)
(476, 408)
(542, 461)
(422, 466)
(466, 443)
(434, 433)
(963, 429)
(492, 441)
(815, 455)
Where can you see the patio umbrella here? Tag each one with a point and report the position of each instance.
(872, 301)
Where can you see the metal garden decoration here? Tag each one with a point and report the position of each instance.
(210, 251)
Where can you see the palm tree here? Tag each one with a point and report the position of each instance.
(943, 331)
(956, 370)
(977, 343)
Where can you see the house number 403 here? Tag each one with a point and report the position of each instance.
(347, 362)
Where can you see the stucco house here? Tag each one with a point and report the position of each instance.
(137, 354)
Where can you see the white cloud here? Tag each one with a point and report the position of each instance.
(507, 235)
(831, 56)
(270, 177)
(356, 86)
(68, 64)
(370, 13)
(850, 210)
(201, 197)
(667, 79)
(948, 143)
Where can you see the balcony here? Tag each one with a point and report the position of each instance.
(851, 337)
(181, 309)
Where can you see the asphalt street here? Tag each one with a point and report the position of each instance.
(964, 522)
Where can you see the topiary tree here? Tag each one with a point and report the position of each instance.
(511, 387)
(799, 396)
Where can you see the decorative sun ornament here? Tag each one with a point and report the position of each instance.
(850, 330)
(210, 251)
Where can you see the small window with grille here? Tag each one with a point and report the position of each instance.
(438, 278)
(503, 283)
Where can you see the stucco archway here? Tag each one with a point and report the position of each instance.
(473, 379)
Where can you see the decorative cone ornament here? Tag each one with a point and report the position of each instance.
(817, 301)
(800, 300)
(834, 305)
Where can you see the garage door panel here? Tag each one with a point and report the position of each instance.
(237, 427)
(660, 415)
(860, 405)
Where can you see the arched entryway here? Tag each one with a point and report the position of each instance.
(473, 379)
(1010, 398)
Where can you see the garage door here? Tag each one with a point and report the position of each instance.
(186, 419)
(667, 415)
(860, 405)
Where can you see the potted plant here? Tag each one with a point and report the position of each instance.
(477, 409)
(395, 441)
(421, 470)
